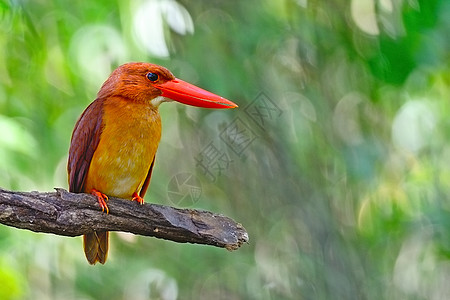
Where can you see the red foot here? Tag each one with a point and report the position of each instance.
(137, 198)
(102, 198)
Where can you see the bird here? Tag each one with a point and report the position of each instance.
(114, 142)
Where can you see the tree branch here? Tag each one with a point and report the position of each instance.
(71, 214)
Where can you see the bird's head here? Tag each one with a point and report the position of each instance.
(144, 82)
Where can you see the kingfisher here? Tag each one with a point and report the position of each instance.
(114, 142)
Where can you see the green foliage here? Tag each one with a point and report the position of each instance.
(11, 282)
(337, 160)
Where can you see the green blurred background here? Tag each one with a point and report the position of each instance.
(337, 161)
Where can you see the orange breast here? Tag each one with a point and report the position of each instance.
(127, 146)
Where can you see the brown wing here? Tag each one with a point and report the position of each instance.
(85, 139)
(147, 180)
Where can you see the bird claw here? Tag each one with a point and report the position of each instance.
(137, 198)
(101, 198)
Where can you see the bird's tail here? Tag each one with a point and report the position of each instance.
(96, 246)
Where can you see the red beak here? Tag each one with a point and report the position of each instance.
(189, 94)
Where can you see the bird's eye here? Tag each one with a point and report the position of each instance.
(152, 76)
